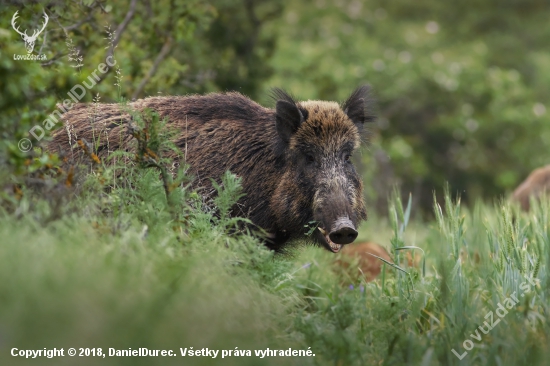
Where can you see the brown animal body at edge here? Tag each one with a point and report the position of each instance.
(537, 183)
(367, 265)
(294, 160)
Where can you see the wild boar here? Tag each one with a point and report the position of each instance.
(294, 160)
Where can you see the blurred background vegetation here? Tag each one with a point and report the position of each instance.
(461, 87)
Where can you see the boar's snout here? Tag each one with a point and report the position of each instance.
(343, 231)
(336, 226)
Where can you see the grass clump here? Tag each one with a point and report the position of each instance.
(124, 254)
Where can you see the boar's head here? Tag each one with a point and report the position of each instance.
(318, 181)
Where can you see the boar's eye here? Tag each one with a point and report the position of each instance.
(310, 159)
(347, 158)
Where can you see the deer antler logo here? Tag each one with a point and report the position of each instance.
(29, 40)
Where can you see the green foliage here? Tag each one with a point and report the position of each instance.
(240, 47)
(161, 47)
(129, 267)
(227, 194)
(462, 99)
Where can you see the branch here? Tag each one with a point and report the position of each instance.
(56, 57)
(121, 27)
(88, 17)
(163, 53)
(43, 42)
(77, 25)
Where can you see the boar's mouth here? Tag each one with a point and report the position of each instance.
(342, 233)
(322, 237)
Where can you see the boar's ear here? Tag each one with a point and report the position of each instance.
(288, 115)
(357, 106)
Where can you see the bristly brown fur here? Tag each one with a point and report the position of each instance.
(265, 147)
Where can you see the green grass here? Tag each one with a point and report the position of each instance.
(124, 269)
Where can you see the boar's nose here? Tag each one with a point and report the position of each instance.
(345, 235)
(343, 232)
